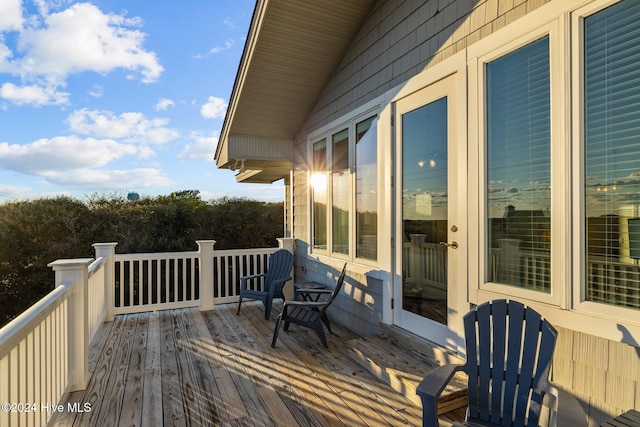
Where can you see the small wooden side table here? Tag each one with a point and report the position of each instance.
(300, 291)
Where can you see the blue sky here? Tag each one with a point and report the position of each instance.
(117, 96)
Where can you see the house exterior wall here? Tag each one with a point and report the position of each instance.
(603, 375)
(397, 41)
(400, 40)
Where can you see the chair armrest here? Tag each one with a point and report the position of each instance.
(245, 279)
(430, 389)
(252, 276)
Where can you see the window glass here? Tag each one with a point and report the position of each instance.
(612, 154)
(319, 194)
(519, 168)
(366, 189)
(425, 210)
(340, 191)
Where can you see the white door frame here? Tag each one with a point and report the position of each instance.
(443, 80)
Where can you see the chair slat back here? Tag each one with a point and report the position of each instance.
(336, 290)
(279, 267)
(509, 353)
(339, 283)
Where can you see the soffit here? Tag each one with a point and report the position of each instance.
(292, 51)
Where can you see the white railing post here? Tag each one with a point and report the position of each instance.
(75, 271)
(205, 253)
(288, 243)
(107, 250)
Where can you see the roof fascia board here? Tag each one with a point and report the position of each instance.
(257, 20)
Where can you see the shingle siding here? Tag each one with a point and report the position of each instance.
(604, 375)
(401, 39)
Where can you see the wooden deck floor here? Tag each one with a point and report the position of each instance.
(190, 368)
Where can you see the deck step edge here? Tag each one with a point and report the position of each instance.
(403, 371)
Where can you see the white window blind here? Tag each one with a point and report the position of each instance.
(612, 154)
(519, 168)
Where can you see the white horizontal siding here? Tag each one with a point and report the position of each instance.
(259, 148)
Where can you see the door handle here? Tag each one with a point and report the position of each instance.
(452, 245)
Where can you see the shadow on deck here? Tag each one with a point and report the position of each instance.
(186, 367)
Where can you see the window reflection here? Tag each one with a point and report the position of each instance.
(519, 168)
(425, 211)
(340, 191)
(612, 155)
(367, 189)
(319, 194)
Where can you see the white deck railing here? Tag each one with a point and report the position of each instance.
(44, 351)
(38, 359)
(159, 281)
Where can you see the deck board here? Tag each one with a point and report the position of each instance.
(190, 368)
(152, 389)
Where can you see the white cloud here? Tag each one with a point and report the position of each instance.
(132, 127)
(83, 38)
(10, 15)
(109, 179)
(202, 148)
(96, 91)
(78, 163)
(63, 153)
(13, 191)
(227, 45)
(215, 108)
(164, 103)
(33, 95)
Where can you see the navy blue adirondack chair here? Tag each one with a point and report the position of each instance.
(509, 353)
(310, 314)
(278, 273)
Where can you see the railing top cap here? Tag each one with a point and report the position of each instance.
(70, 263)
(108, 244)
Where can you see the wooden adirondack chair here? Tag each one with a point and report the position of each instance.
(509, 353)
(278, 273)
(310, 314)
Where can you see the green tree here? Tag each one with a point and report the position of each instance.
(35, 233)
(32, 234)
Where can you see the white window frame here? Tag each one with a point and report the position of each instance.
(567, 306)
(480, 54)
(579, 231)
(370, 109)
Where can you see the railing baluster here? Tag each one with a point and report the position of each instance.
(158, 282)
(183, 262)
(178, 276)
(218, 281)
(140, 287)
(193, 278)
